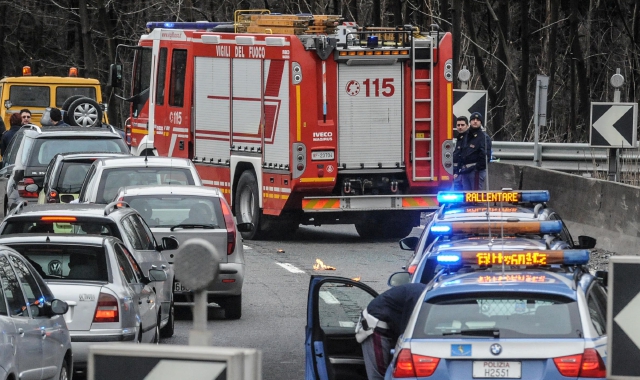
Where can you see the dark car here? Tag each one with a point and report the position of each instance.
(65, 175)
(32, 148)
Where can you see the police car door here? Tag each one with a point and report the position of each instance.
(334, 305)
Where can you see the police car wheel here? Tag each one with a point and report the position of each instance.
(247, 206)
(85, 112)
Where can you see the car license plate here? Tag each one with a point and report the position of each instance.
(178, 288)
(493, 369)
(322, 155)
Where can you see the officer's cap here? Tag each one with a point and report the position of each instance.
(476, 115)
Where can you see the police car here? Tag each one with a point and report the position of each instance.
(488, 313)
(502, 205)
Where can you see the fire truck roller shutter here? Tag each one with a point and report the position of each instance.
(247, 103)
(370, 116)
(276, 112)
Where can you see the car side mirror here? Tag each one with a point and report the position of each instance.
(169, 243)
(59, 307)
(245, 227)
(66, 198)
(115, 76)
(586, 242)
(399, 278)
(157, 275)
(409, 243)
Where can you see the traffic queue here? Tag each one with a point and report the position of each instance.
(80, 265)
(495, 288)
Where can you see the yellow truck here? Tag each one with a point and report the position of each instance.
(80, 99)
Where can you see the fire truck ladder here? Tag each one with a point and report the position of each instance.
(422, 54)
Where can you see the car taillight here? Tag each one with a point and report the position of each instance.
(569, 366)
(410, 365)
(230, 225)
(22, 188)
(107, 309)
(592, 364)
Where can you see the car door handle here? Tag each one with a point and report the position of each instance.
(21, 331)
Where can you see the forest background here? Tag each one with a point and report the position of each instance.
(579, 44)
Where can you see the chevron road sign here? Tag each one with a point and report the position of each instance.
(623, 309)
(613, 125)
(466, 102)
(169, 362)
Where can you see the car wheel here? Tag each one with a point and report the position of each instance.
(67, 103)
(64, 371)
(232, 307)
(168, 329)
(248, 205)
(85, 112)
(156, 336)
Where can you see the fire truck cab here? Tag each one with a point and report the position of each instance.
(300, 119)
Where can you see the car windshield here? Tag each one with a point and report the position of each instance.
(59, 225)
(113, 179)
(499, 315)
(71, 176)
(66, 262)
(45, 149)
(170, 211)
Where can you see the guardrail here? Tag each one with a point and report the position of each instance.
(567, 157)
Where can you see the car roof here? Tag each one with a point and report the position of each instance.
(85, 155)
(171, 189)
(66, 209)
(68, 132)
(54, 239)
(494, 280)
(141, 161)
(484, 242)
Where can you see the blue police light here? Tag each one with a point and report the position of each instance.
(448, 259)
(372, 42)
(535, 196)
(441, 228)
(576, 257)
(551, 227)
(200, 25)
(444, 197)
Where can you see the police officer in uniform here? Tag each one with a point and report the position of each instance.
(474, 154)
(382, 322)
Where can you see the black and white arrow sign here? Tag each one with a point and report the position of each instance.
(466, 102)
(623, 311)
(613, 125)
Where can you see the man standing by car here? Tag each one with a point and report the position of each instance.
(25, 115)
(56, 118)
(382, 322)
(475, 153)
(462, 127)
(16, 124)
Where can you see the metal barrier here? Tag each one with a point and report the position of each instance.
(569, 157)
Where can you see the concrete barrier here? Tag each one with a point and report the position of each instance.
(607, 211)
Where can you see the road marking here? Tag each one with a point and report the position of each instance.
(245, 247)
(328, 298)
(291, 268)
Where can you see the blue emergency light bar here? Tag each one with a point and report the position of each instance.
(520, 196)
(537, 227)
(200, 25)
(515, 258)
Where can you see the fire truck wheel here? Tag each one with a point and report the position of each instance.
(369, 229)
(84, 112)
(248, 205)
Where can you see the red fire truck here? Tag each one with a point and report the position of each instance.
(298, 125)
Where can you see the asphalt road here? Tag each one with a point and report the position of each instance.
(275, 299)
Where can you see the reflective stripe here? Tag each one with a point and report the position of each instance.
(420, 201)
(320, 204)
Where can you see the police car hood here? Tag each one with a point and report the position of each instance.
(484, 243)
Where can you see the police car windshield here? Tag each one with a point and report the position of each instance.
(505, 315)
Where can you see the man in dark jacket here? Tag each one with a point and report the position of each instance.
(16, 123)
(382, 322)
(475, 153)
(462, 129)
(56, 118)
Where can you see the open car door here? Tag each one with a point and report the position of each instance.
(334, 306)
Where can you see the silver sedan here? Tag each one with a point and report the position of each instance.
(34, 339)
(109, 297)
